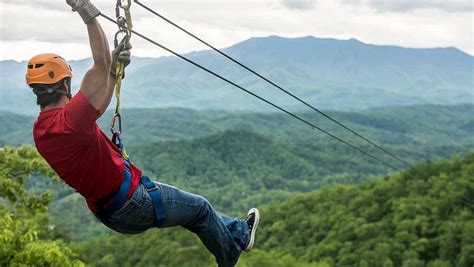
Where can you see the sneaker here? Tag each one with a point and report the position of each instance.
(253, 218)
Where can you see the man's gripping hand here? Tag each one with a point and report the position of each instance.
(85, 8)
(121, 54)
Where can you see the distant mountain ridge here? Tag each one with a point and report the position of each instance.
(329, 73)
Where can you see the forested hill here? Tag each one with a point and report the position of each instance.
(258, 158)
(422, 125)
(423, 217)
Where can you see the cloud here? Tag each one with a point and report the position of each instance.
(60, 5)
(298, 4)
(36, 26)
(28, 22)
(49, 21)
(412, 5)
(40, 3)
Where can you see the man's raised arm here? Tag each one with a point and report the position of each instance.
(94, 85)
(98, 83)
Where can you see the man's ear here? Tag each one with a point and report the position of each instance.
(67, 85)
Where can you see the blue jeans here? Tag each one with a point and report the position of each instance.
(224, 237)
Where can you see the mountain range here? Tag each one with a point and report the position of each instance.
(328, 73)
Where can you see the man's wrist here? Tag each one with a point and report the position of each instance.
(88, 12)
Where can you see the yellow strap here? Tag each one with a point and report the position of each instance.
(125, 154)
(119, 70)
(128, 18)
(120, 66)
(118, 85)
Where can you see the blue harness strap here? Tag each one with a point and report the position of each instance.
(155, 196)
(121, 195)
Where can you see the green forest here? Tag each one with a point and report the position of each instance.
(321, 203)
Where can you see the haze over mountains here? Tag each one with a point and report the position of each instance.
(329, 73)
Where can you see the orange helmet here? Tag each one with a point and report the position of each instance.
(47, 69)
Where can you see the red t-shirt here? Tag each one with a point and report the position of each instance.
(79, 152)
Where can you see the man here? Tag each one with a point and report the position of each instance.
(67, 136)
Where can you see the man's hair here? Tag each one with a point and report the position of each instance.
(47, 94)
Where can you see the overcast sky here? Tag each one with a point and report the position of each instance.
(29, 27)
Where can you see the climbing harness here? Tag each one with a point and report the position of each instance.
(125, 27)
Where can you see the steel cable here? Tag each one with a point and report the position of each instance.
(275, 85)
(257, 96)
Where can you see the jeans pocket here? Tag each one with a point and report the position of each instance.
(129, 208)
(135, 216)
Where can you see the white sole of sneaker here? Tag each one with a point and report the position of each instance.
(254, 229)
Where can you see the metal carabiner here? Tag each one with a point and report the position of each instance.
(112, 123)
(124, 3)
(122, 20)
(122, 23)
(120, 5)
(116, 41)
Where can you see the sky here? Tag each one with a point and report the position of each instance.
(30, 27)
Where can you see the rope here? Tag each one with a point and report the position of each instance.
(259, 97)
(120, 67)
(125, 26)
(274, 84)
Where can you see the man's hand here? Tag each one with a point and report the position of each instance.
(121, 54)
(85, 8)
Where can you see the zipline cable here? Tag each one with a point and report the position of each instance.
(274, 84)
(257, 96)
